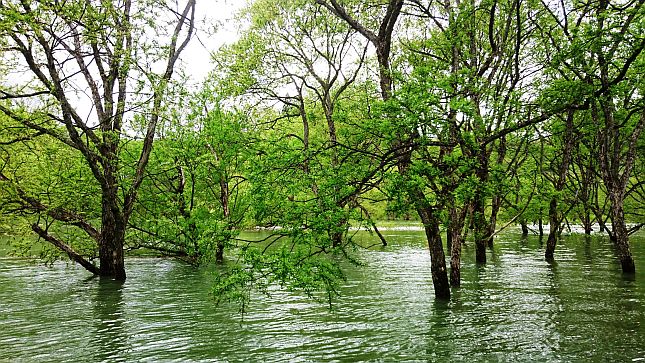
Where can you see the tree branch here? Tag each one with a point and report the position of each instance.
(73, 255)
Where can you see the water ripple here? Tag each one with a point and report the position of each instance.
(516, 308)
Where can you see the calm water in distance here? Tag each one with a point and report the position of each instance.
(516, 308)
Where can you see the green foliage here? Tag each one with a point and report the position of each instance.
(42, 169)
(291, 266)
(195, 199)
(289, 132)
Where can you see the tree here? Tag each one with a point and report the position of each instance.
(381, 40)
(194, 200)
(313, 159)
(559, 179)
(311, 61)
(100, 47)
(595, 52)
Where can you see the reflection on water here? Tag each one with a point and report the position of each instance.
(110, 337)
(516, 308)
(588, 254)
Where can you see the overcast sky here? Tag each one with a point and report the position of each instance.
(196, 57)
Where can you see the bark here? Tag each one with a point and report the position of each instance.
(554, 225)
(586, 182)
(617, 144)
(479, 218)
(219, 252)
(495, 207)
(65, 248)
(109, 57)
(480, 224)
(525, 229)
(587, 225)
(586, 220)
(433, 235)
(455, 229)
(338, 234)
(600, 218)
(111, 254)
(382, 42)
(224, 200)
(612, 160)
(620, 233)
(437, 256)
(481, 230)
(185, 209)
(555, 218)
(496, 202)
(305, 131)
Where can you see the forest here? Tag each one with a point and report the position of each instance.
(322, 118)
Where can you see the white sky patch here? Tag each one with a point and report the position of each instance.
(217, 15)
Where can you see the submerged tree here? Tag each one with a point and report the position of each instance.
(314, 160)
(104, 50)
(595, 54)
(194, 199)
(380, 33)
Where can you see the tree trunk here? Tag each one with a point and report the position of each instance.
(455, 229)
(525, 228)
(111, 256)
(620, 232)
(433, 235)
(479, 212)
(554, 225)
(437, 256)
(455, 263)
(586, 221)
(588, 229)
(336, 238)
(584, 196)
(496, 205)
(555, 218)
(219, 252)
(496, 202)
(480, 230)
(602, 225)
(224, 200)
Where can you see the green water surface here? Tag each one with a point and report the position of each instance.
(515, 308)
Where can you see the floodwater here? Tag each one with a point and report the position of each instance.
(515, 308)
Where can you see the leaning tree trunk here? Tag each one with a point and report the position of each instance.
(433, 234)
(437, 256)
